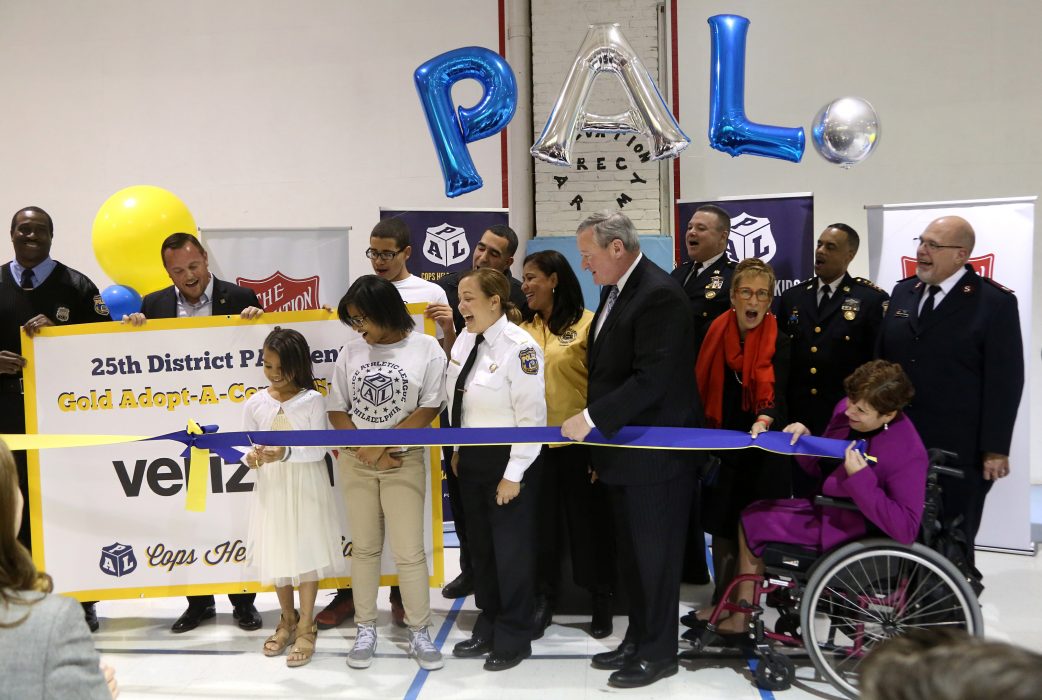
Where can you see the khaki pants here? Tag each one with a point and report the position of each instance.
(391, 498)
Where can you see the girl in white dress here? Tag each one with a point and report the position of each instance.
(293, 522)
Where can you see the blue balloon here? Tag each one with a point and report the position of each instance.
(730, 130)
(121, 301)
(434, 81)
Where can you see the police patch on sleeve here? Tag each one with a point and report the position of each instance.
(99, 306)
(529, 361)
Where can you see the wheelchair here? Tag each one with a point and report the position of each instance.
(840, 605)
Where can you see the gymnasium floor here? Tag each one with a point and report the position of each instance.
(218, 660)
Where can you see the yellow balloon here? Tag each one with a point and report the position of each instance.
(129, 231)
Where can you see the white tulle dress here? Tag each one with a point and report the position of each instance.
(294, 531)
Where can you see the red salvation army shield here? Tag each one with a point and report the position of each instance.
(983, 266)
(281, 293)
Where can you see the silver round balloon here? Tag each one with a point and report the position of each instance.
(846, 131)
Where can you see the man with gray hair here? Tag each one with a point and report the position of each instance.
(641, 357)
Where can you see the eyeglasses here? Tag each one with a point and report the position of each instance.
(746, 293)
(933, 246)
(385, 255)
(356, 321)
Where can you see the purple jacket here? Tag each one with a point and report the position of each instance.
(889, 493)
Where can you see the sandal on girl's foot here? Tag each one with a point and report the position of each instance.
(304, 648)
(285, 633)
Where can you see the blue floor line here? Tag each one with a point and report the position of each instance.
(443, 632)
(753, 662)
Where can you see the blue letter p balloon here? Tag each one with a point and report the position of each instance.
(495, 109)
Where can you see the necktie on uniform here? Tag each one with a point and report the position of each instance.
(928, 306)
(695, 269)
(27, 279)
(457, 402)
(824, 298)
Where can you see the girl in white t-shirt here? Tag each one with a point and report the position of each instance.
(294, 526)
(390, 377)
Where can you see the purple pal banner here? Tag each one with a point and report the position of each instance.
(443, 240)
(778, 230)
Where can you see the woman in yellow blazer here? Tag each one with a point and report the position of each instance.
(558, 321)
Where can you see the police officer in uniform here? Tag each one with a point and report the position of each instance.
(833, 320)
(706, 276)
(706, 279)
(495, 378)
(36, 292)
(957, 335)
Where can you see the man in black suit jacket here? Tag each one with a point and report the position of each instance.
(957, 335)
(833, 330)
(641, 372)
(195, 292)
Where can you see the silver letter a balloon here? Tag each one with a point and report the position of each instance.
(605, 50)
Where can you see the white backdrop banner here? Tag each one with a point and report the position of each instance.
(110, 521)
(1003, 252)
(315, 273)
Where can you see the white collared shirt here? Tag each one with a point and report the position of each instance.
(203, 307)
(946, 286)
(505, 387)
(705, 266)
(833, 286)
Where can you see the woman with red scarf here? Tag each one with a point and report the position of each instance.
(742, 372)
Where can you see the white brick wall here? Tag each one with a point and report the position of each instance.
(558, 27)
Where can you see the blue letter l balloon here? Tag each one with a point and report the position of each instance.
(729, 129)
(495, 109)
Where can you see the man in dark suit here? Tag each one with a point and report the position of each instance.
(496, 250)
(706, 276)
(641, 359)
(957, 335)
(833, 320)
(706, 279)
(196, 292)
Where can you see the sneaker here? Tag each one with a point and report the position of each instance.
(422, 648)
(361, 655)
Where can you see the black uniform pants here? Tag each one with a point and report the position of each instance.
(502, 540)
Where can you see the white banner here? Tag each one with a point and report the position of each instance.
(316, 272)
(110, 521)
(1003, 252)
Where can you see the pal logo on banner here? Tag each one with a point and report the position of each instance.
(751, 237)
(983, 266)
(117, 560)
(446, 245)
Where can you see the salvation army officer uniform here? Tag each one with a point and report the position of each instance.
(502, 387)
(830, 339)
(965, 359)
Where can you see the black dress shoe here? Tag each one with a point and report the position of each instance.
(473, 647)
(248, 617)
(639, 673)
(90, 616)
(543, 616)
(191, 618)
(601, 623)
(502, 660)
(459, 587)
(615, 659)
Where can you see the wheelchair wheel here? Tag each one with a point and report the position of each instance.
(864, 593)
(775, 671)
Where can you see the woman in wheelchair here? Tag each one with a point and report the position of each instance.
(889, 494)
